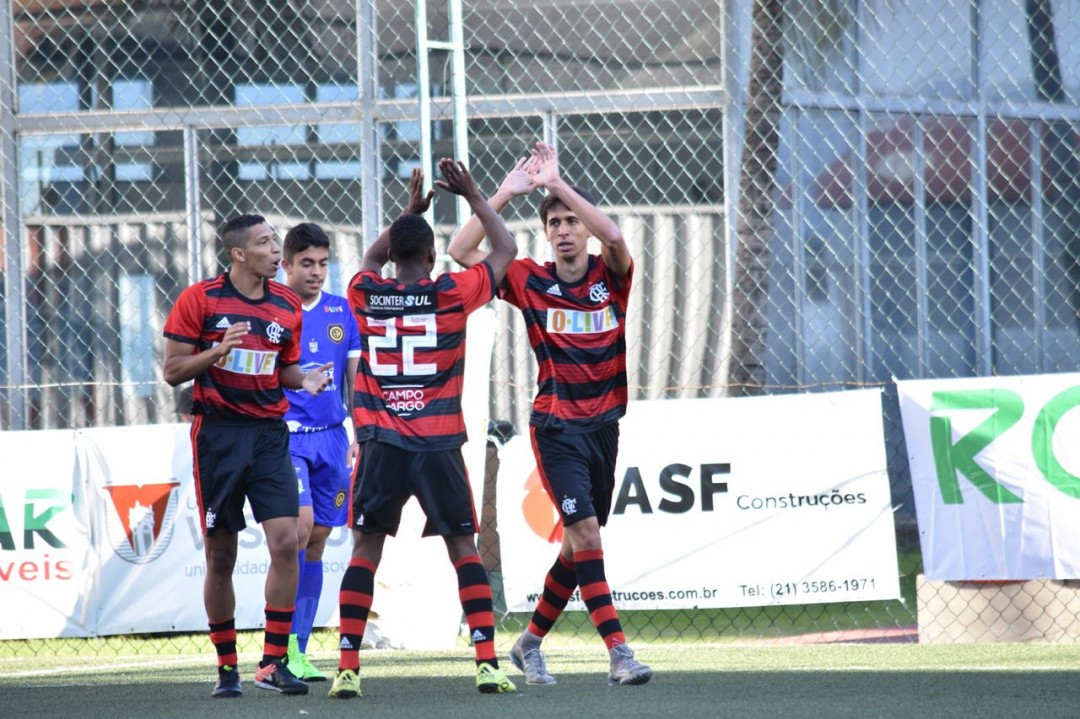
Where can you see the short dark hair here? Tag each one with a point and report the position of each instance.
(550, 201)
(303, 236)
(234, 233)
(410, 238)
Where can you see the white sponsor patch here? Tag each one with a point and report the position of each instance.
(578, 322)
(253, 362)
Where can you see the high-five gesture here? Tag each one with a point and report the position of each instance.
(521, 178)
(457, 179)
(546, 165)
(418, 201)
(377, 254)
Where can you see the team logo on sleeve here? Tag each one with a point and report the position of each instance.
(336, 333)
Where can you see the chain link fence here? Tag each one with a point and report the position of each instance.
(913, 164)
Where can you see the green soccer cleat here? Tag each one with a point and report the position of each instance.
(300, 665)
(346, 685)
(490, 680)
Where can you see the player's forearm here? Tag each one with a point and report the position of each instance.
(600, 226)
(465, 246)
(291, 377)
(178, 369)
(378, 254)
(350, 381)
(492, 226)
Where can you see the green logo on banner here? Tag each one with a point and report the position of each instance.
(1042, 442)
(950, 458)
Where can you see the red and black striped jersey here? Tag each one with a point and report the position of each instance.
(578, 334)
(245, 383)
(412, 362)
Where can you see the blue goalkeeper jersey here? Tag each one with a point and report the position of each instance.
(329, 334)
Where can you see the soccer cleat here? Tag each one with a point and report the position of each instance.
(490, 680)
(307, 671)
(531, 662)
(625, 670)
(277, 677)
(300, 665)
(346, 685)
(228, 683)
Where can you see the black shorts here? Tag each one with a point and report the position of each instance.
(578, 470)
(388, 475)
(242, 458)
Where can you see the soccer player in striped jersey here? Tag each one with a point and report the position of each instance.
(321, 451)
(408, 418)
(575, 313)
(237, 336)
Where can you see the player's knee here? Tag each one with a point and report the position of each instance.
(220, 561)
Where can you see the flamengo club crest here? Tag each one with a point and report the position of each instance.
(273, 332)
(142, 524)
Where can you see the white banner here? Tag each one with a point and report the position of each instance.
(46, 562)
(149, 540)
(145, 571)
(152, 565)
(995, 468)
(725, 503)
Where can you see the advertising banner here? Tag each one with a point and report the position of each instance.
(152, 566)
(46, 561)
(995, 468)
(725, 503)
(131, 490)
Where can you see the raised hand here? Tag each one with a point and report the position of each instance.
(457, 179)
(418, 201)
(519, 181)
(546, 165)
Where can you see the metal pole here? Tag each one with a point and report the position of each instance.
(14, 241)
(736, 23)
(423, 92)
(1038, 245)
(864, 351)
(981, 241)
(193, 199)
(367, 91)
(798, 270)
(922, 261)
(458, 96)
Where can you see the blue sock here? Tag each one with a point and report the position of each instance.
(308, 591)
(297, 620)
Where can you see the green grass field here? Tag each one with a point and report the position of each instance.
(692, 680)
